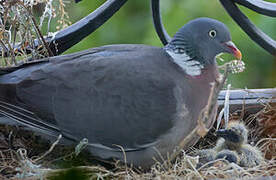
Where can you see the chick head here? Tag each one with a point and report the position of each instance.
(235, 134)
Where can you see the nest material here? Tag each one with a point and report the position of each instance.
(22, 33)
(15, 164)
(20, 151)
(266, 120)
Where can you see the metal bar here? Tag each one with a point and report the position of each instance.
(157, 21)
(68, 37)
(253, 32)
(262, 7)
(252, 100)
(73, 34)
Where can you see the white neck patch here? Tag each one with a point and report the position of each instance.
(191, 67)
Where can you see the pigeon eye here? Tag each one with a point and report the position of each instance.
(212, 33)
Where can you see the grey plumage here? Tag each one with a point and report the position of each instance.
(233, 147)
(234, 138)
(230, 156)
(205, 156)
(250, 156)
(133, 97)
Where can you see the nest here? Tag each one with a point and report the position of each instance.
(21, 35)
(25, 156)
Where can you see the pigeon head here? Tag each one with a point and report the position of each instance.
(201, 40)
(236, 134)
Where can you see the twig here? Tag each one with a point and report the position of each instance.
(226, 106)
(193, 167)
(50, 150)
(4, 48)
(212, 101)
(50, 53)
(41, 37)
(82, 144)
(125, 157)
(204, 116)
(219, 118)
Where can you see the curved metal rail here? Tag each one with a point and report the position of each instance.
(262, 7)
(252, 31)
(157, 21)
(68, 37)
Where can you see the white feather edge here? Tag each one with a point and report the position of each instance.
(191, 67)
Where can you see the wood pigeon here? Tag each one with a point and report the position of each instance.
(133, 103)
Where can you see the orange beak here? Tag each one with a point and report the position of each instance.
(238, 54)
(233, 49)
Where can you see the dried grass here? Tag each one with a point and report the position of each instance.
(20, 33)
(24, 163)
(23, 156)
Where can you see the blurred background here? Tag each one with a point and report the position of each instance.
(133, 25)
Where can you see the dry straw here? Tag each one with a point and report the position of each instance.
(19, 25)
(21, 35)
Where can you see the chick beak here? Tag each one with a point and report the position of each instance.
(233, 49)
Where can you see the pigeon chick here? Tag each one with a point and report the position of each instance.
(250, 156)
(230, 156)
(234, 138)
(205, 156)
(208, 155)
